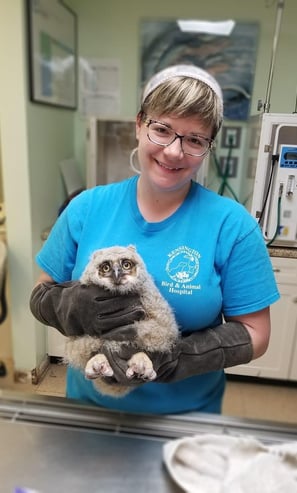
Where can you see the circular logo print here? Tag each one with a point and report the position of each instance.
(183, 264)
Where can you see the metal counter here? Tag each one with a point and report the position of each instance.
(53, 446)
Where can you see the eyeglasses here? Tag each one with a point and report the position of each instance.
(193, 144)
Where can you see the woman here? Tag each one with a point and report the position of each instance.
(205, 253)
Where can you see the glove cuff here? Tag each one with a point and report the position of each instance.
(235, 342)
(36, 299)
(46, 304)
(206, 351)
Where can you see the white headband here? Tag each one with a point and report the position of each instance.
(186, 71)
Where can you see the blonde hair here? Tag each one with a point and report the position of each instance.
(184, 96)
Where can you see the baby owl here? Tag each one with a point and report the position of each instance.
(122, 270)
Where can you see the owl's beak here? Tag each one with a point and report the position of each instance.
(117, 273)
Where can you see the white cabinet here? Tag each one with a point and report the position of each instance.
(280, 360)
(55, 343)
(293, 367)
(293, 364)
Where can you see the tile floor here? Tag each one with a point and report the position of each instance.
(242, 398)
(52, 383)
(267, 401)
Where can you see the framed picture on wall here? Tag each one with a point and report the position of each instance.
(231, 58)
(52, 50)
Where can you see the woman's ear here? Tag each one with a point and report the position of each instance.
(138, 125)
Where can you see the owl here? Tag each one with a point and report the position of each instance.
(121, 270)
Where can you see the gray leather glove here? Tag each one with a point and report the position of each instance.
(203, 351)
(76, 309)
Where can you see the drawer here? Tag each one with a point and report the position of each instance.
(285, 270)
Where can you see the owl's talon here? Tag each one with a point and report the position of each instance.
(129, 373)
(98, 366)
(141, 366)
(152, 375)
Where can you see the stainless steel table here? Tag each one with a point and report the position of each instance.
(54, 446)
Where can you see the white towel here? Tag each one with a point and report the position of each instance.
(225, 464)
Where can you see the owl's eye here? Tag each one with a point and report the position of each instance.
(126, 264)
(105, 267)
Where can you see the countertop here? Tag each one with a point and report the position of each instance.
(284, 252)
(52, 445)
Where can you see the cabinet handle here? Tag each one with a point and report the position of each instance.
(276, 269)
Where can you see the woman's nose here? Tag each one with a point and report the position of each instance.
(175, 148)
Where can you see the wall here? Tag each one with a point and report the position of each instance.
(34, 139)
(110, 29)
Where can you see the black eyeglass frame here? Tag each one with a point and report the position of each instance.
(211, 142)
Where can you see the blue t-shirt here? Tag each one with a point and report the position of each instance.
(208, 259)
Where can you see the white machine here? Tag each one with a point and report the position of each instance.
(275, 189)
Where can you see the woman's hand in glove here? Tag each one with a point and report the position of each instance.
(76, 309)
(203, 351)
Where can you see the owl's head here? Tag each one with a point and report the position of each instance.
(115, 268)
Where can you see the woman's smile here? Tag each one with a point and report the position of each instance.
(168, 167)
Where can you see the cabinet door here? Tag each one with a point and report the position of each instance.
(55, 343)
(275, 363)
(293, 366)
